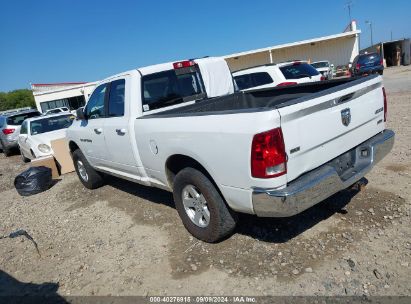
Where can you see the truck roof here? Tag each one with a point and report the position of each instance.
(151, 69)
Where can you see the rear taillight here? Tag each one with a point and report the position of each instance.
(385, 104)
(268, 158)
(381, 62)
(358, 66)
(322, 78)
(8, 131)
(283, 84)
(183, 64)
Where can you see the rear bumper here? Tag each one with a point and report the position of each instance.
(319, 184)
(369, 70)
(9, 143)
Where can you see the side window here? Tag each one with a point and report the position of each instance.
(243, 81)
(116, 100)
(23, 129)
(261, 78)
(95, 105)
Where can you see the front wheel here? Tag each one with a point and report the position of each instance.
(23, 158)
(202, 209)
(90, 178)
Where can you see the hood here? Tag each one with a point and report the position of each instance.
(46, 138)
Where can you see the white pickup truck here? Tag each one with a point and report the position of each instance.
(271, 152)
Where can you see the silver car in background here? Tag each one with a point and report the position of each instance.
(325, 68)
(10, 122)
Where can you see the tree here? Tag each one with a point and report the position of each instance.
(16, 99)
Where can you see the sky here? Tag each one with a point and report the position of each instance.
(47, 41)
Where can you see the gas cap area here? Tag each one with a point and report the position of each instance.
(153, 147)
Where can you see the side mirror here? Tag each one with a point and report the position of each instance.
(80, 114)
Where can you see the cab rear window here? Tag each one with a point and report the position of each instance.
(296, 71)
(169, 88)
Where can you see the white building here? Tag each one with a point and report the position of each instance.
(54, 95)
(339, 49)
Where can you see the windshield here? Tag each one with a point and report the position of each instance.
(322, 64)
(297, 71)
(169, 88)
(17, 120)
(51, 124)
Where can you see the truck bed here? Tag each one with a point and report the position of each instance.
(262, 99)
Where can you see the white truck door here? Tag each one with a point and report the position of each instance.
(117, 129)
(91, 131)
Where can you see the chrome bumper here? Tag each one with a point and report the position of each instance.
(319, 184)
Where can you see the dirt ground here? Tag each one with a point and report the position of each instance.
(126, 239)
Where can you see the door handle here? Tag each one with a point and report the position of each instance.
(121, 131)
(98, 130)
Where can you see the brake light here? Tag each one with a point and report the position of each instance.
(381, 61)
(296, 62)
(8, 131)
(322, 78)
(283, 84)
(358, 66)
(268, 158)
(385, 104)
(183, 64)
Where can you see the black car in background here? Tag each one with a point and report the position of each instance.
(366, 64)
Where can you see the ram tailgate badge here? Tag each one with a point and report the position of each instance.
(346, 116)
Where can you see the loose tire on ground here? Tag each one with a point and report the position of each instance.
(221, 220)
(89, 177)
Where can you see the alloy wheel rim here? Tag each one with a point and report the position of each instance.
(82, 170)
(195, 206)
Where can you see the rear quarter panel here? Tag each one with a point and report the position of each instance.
(220, 143)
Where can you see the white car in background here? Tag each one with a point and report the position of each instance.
(57, 110)
(37, 133)
(324, 67)
(275, 75)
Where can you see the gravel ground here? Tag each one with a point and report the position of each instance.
(126, 239)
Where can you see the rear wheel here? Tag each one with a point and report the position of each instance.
(202, 209)
(7, 151)
(380, 72)
(89, 177)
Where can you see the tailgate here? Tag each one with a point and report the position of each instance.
(330, 123)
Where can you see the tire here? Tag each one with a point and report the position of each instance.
(7, 152)
(90, 178)
(381, 72)
(215, 221)
(24, 159)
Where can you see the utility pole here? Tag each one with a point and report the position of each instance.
(349, 4)
(370, 24)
